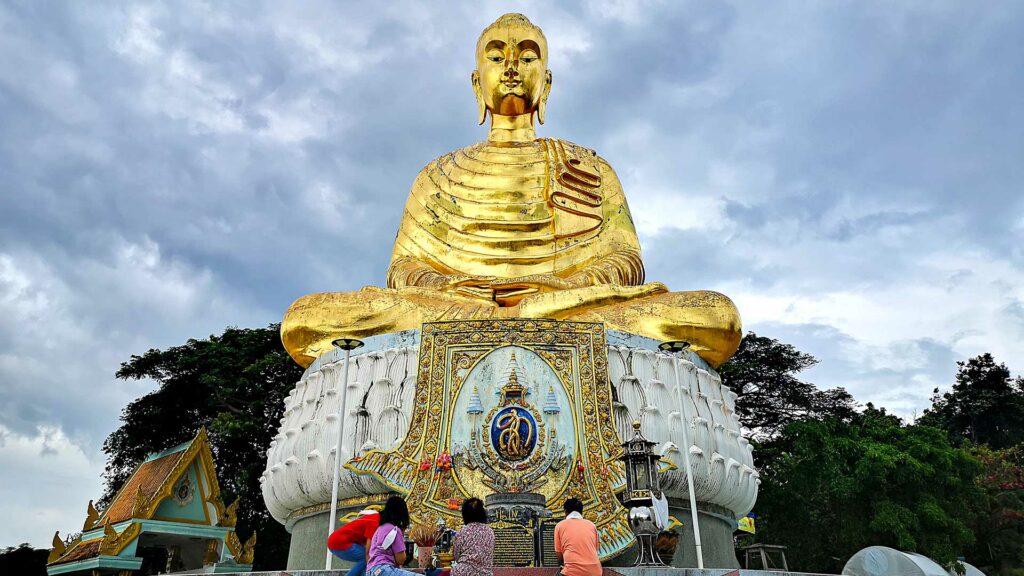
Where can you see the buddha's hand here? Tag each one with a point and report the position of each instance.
(509, 291)
(539, 282)
(466, 285)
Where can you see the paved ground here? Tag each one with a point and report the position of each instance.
(554, 572)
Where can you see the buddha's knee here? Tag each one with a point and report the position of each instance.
(314, 320)
(705, 305)
(309, 303)
(709, 321)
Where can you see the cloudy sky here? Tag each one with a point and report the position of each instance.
(849, 172)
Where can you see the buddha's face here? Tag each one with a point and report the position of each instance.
(511, 76)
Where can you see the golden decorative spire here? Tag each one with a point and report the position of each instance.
(513, 390)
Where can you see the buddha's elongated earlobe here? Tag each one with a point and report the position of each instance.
(543, 105)
(481, 109)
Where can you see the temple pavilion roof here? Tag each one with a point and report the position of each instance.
(145, 483)
(170, 502)
(80, 552)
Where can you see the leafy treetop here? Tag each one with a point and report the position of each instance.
(985, 406)
(764, 373)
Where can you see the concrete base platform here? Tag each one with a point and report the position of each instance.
(716, 528)
(555, 572)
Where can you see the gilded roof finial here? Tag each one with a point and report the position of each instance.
(58, 548)
(91, 516)
(140, 508)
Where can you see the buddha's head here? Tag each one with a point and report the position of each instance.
(511, 76)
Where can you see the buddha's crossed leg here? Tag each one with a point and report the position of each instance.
(314, 321)
(708, 321)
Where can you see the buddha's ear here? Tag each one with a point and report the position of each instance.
(481, 109)
(543, 105)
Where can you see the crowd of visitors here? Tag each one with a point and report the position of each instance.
(375, 542)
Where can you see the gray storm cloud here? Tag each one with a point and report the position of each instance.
(849, 173)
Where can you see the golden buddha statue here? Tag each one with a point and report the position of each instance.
(515, 226)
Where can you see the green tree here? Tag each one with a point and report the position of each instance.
(831, 487)
(985, 406)
(1000, 531)
(234, 385)
(764, 375)
(23, 560)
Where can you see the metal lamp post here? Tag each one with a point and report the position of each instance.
(643, 486)
(348, 345)
(676, 349)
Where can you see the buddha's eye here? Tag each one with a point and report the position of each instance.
(528, 56)
(495, 57)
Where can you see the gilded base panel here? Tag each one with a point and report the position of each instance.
(556, 436)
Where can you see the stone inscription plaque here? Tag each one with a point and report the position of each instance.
(514, 546)
(548, 557)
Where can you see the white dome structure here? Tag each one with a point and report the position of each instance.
(884, 561)
(384, 395)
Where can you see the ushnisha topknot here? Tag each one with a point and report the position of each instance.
(515, 20)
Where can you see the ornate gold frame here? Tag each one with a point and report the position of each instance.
(577, 354)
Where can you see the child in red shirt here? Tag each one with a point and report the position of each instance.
(349, 541)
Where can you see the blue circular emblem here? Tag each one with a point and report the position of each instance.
(513, 433)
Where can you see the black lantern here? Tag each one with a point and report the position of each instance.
(643, 487)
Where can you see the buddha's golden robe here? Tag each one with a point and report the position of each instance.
(541, 208)
(547, 207)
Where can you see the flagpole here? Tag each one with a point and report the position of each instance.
(677, 348)
(348, 345)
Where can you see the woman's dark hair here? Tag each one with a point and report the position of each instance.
(571, 505)
(473, 511)
(395, 512)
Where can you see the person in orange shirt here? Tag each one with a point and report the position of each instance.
(576, 542)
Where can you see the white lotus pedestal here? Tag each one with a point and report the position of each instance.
(471, 408)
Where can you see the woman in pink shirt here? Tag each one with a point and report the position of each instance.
(387, 547)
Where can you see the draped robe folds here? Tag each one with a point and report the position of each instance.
(547, 207)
